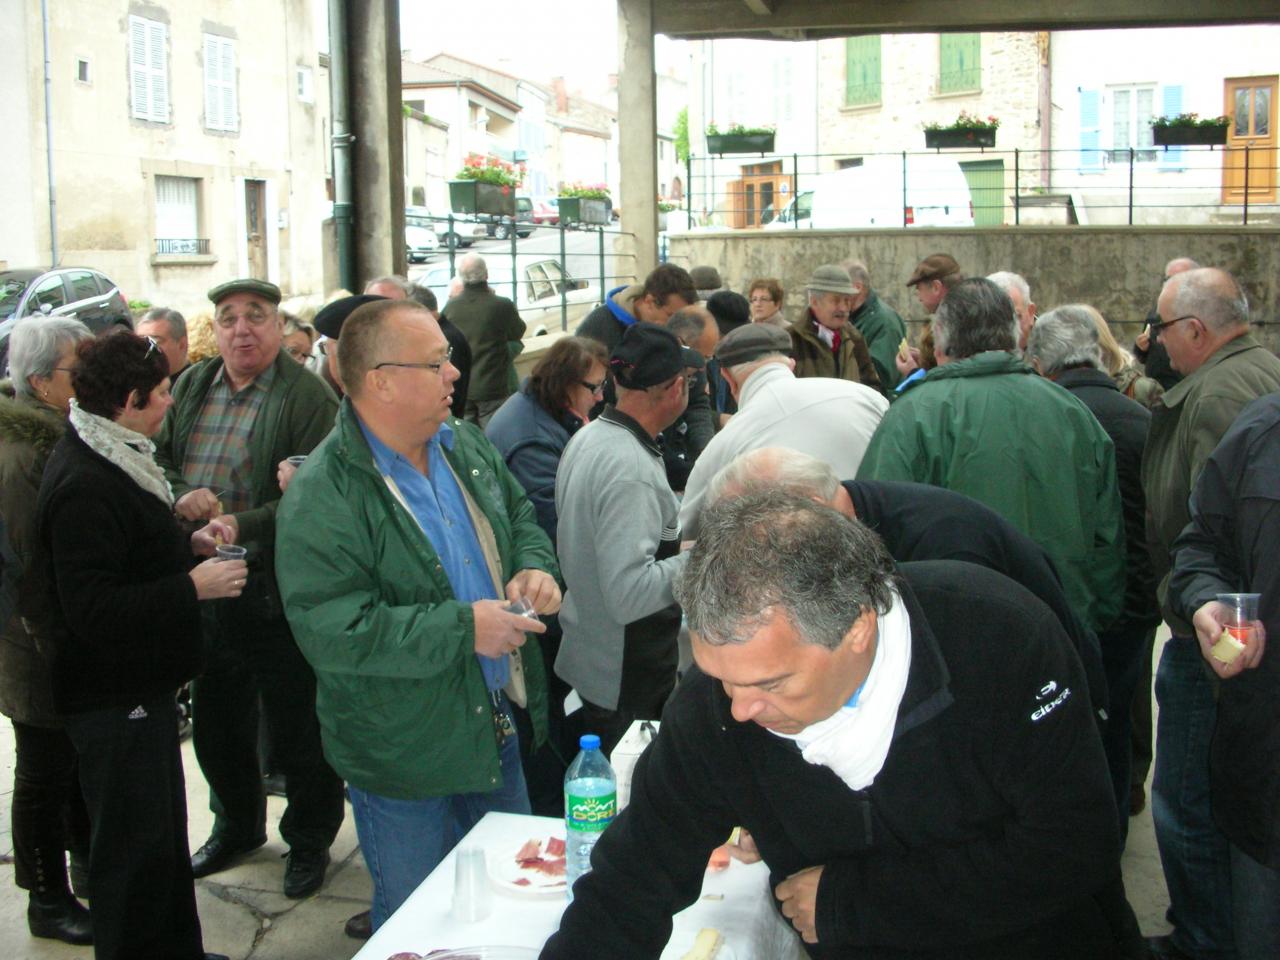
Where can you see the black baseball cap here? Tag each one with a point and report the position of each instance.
(333, 315)
(649, 355)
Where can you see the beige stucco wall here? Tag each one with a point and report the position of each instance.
(1117, 270)
(105, 160)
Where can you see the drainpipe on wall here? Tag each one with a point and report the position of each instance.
(54, 256)
(342, 139)
(1046, 111)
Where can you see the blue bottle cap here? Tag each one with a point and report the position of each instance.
(589, 741)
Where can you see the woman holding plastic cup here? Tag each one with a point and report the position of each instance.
(123, 625)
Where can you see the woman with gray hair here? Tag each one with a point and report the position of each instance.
(46, 795)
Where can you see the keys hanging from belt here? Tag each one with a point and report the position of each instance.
(502, 725)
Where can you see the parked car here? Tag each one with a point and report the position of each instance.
(500, 229)
(546, 210)
(78, 292)
(420, 239)
(466, 230)
(872, 195)
(537, 293)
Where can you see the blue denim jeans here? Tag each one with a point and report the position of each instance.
(1193, 852)
(1256, 890)
(404, 840)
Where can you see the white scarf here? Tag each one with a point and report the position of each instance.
(854, 741)
(130, 451)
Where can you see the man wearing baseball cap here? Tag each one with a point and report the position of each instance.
(619, 538)
(234, 418)
(824, 342)
(830, 419)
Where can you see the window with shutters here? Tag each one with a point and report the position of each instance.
(220, 108)
(149, 70)
(178, 216)
(861, 71)
(959, 62)
(1131, 111)
(305, 85)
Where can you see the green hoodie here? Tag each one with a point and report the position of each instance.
(989, 427)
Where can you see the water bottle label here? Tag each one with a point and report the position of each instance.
(590, 813)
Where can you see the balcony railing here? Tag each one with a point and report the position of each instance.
(182, 247)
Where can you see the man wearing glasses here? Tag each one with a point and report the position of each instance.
(234, 418)
(404, 541)
(618, 534)
(1204, 327)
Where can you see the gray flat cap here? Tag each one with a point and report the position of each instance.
(831, 278)
(261, 288)
(750, 342)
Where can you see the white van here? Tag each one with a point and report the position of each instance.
(872, 195)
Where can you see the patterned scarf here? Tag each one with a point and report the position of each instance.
(130, 451)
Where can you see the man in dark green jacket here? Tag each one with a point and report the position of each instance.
(235, 417)
(983, 424)
(403, 538)
(879, 324)
(493, 329)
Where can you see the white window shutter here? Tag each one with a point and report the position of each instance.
(212, 102)
(157, 36)
(220, 106)
(230, 115)
(139, 76)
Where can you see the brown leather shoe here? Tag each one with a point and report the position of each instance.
(360, 927)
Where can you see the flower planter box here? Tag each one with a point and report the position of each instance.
(585, 210)
(1189, 136)
(960, 138)
(473, 197)
(740, 143)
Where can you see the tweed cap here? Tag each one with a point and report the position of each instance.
(706, 278)
(649, 355)
(333, 315)
(831, 278)
(261, 288)
(751, 342)
(933, 267)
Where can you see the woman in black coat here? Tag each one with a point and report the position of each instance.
(123, 624)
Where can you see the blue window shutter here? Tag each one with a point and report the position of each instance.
(1171, 106)
(1090, 132)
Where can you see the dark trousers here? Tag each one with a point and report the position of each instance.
(1142, 740)
(49, 815)
(250, 657)
(544, 766)
(649, 660)
(1124, 645)
(144, 900)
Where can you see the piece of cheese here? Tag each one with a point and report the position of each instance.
(1227, 648)
(706, 946)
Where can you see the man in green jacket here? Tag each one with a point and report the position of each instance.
(983, 424)
(1204, 326)
(879, 324)
(403, 539)
(235, 417)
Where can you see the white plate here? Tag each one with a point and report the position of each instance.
(510, 876)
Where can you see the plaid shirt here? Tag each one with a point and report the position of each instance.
(218, 452)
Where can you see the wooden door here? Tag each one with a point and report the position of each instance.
(1251, 140)
(255, 224)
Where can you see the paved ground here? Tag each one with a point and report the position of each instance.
(245, 915)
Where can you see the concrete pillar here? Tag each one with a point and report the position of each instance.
(376, 122)
(638, 132)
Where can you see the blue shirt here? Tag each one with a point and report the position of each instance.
(436, 502)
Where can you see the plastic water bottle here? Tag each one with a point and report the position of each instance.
(590, 804)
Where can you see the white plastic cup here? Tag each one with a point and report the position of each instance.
(231, 551)
(471, 897)
(1242, 614)
(298, 460)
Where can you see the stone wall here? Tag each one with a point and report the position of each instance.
(1117, 269)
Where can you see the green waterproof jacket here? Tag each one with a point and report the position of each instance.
(884, 332)
(989, 427)
(401, 701)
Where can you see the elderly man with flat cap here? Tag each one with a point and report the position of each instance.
(824, 342)
(618, 535)
(932, 278)
(830, 419)
(234, 418)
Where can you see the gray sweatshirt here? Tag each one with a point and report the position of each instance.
(616, 516)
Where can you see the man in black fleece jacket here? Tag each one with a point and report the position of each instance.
(912, 753)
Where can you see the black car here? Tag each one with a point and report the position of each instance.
(78, 292)
(500, 228)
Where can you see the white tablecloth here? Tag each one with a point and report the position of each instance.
(745, 916)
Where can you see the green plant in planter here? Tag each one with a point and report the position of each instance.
(665, 207)
(586, 191)
(1187, 120)
(491, 170)
(738, 130)
(966, 121)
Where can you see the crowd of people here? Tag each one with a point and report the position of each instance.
(895, 604)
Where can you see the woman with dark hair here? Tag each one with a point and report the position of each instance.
(765, 296)
(122, 622)
(531, 430)
(533, 427)
(48, 809)
(731, 310)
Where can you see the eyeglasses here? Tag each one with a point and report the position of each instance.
(298, 353)
(1157, 327)
(761, 300)
(325, 345)
(256, 317)
(152, 347)
(593, 387)
(433, 366)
